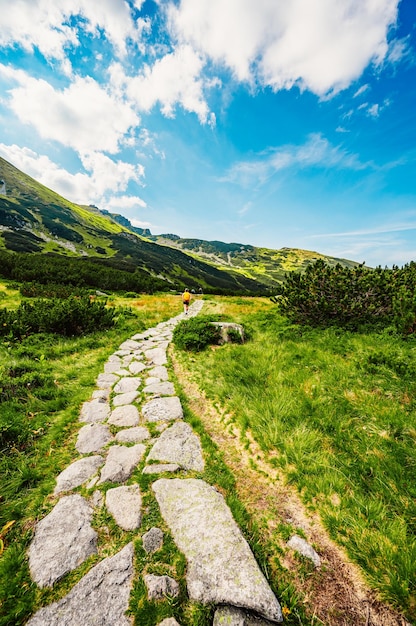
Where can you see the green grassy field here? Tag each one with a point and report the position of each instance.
(334, 411)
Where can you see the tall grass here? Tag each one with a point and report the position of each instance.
(335, 411)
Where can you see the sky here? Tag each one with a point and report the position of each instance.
(275, 123)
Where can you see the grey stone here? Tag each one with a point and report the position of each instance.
(93, 437)
(96, 410)
(125, 503)
(136, 367)
(121, 462)
(152, 540)
(160, 372)
(106, 381)
(221, 567)
(78, 473)
(101, 394)
(152, 380)
(157, 356)
(101, 598)
(130, 344)
(225, 328)
(125, 415)
(178, 444)
(304, 548)
(97, 499)
(163, 409)
(160, 468)
(159, 587)
(161, 389)
(133, 435)
(231, 616)
(127, 384)
(169, 621)
(62, 541)
(111, 367)
(125, 398)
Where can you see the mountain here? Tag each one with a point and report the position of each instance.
(35, 219)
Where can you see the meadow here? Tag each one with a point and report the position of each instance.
(333, 413)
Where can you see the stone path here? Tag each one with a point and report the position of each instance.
(132, 393)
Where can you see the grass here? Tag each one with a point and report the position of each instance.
(335, 412)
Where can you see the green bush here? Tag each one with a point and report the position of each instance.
(70, 317)
(195, 334)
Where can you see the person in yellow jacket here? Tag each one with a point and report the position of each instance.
(186, 298)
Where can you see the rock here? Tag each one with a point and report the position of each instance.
(169, 621)
(96, 410)
(101, 597)
(130, 344)
(133, 435)
(125, 415)
(226, 328)
(157, 356)
(93, 437)
(151, 380)
(161, 389)
(152, 540)
(77, 473)
(163, 409)
(101, 394)
(62, 541)
(304, 548)
(125, 398)
(121, 462)
(97, 499)
(159, 372)
(160, 468)
(106, 381)
(125, 503)
(112, 366)
(159, 587)
(127, 384)
(221, 567)
(178, 444)
(136, 367)
(230, 616)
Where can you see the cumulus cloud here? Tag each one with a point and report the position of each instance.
(102, 175)
(47, 27)
(83, 116)
(282, 44)
(316, 152)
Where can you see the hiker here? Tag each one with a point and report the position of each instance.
(186, 297)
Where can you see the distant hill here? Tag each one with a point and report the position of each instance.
(34, 218)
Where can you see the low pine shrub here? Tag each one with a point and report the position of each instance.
(195, 334)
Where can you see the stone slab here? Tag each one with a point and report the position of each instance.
(124, 415)
(125, 398)
(159, 468)
(78, 473)
(221, 567)
(305, 549)
(161, 389)
(106, 381)
(178, 444)
(93, 411)
(133, 435)
(162, 409)
(124, 504)
(127, 384)
(120, 463)
(92, 438)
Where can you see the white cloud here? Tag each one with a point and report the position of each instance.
(282, 44)
(83, 116)
(123, 203)
(104, 175)
(44, 24)
(316, 152)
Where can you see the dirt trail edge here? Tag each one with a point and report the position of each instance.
(336, 593)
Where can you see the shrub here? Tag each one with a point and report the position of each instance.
(195, 334)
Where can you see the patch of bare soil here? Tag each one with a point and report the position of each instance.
(335, 593)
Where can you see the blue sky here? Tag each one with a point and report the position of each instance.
(273, 123)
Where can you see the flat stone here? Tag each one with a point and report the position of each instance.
(221, 567)
(126, 385)
(124, 504)
(125, 398)
(133, 435)
(63, 540)
(152, 380)
(121, 462)
(78, 473)
(101, 597)
(178, 444)
(136, 367)
(125, 415)
(159, 372)
(160, 468)
(92, 438)
(161, 389)
(112, 366)
(130, 344)
(106, 381)
(160, 587)
(101, 394)
(304, 548)
(231, 616)
(93, 411)
(163, 409)
(157, 356)
(152, 540)
(169, 621)
(97, 499)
